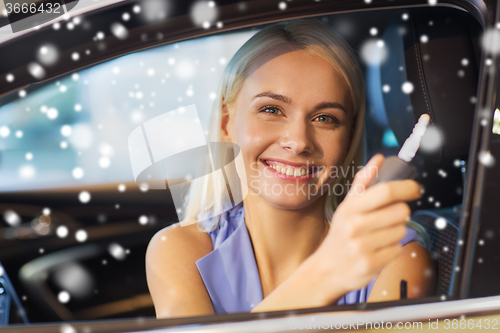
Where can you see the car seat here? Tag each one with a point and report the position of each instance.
(436, 49)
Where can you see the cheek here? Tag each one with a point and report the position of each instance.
(252, 137)
(336, 147)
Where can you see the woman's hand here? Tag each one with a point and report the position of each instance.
(364, 236)
(365, 230)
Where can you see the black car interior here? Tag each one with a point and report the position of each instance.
(445, 89)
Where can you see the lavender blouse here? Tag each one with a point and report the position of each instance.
(230, 271)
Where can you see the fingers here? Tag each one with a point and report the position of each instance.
(382, 238)
(383, 194)
(389, 216)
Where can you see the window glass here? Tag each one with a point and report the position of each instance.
(74, 129)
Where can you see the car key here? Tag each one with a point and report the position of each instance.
(399, 167)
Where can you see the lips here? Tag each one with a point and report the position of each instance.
(290, 170)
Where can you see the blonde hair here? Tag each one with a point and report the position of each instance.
(308, 35)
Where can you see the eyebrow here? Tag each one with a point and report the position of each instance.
(288, 100)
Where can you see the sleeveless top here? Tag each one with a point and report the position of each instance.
(230, 271)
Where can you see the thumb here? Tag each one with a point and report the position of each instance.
(365, 176)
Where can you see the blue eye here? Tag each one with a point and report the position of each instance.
(327, 119)
(271, 110)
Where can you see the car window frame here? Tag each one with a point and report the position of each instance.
(481, 140)
(469, 220)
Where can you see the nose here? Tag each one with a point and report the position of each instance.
(298, 137)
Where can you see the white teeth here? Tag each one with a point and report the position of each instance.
(291, 171)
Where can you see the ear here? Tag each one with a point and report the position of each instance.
(224, 124)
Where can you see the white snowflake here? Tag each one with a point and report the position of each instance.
(66, 130)
(27, 172)
(117, 251)
(104, 162)
(203, 11)
(84, 197)
(37, 71)
(486, 158)
(440, 223)
(62, 231)
(11, 217)
(373, 52)
(77, 173)
(119, 31)
(143, 219)
(63, 297)
(407, 87)
(4, 131)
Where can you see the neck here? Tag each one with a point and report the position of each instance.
(282, 238)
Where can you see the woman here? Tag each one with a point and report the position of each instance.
(291, 98)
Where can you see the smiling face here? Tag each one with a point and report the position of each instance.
(292, 121)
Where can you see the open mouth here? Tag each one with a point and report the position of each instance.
(292, 172)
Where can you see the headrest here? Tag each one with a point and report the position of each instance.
(433, 49)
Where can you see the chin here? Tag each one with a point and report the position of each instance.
(290, 202)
